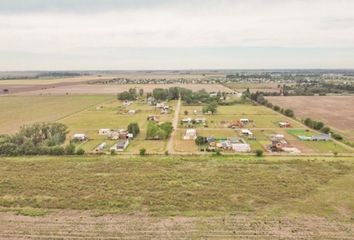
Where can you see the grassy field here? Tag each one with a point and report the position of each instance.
(19, 110)
(184, 186)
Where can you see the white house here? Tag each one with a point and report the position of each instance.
(131, 112)
(191, 134)
(104, 131)
(246, 132)
(80, 136)
(241, 147)
(244, 120)
(200, 120)
(187, 120)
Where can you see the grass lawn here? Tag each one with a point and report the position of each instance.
(319, 146)
(164, 186)
(19, 110)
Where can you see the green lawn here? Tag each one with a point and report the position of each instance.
(167, 186)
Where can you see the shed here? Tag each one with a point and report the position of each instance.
(80, 136)
(241, 147)
(191, 134)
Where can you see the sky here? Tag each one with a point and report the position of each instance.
(175, 34)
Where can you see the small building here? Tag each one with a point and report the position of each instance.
(277, 137)
(131, 112)
(322, 137)
(241, 147)
(127, 103)
(244, 120)
(284, 124)
(104, 131)
(187, 120)
(200, 120)
(80, 136)
(213, 94)
(153, 118)
(160, 105)
(101, 147)
(246, 132)
(191, 134)
(120, 146)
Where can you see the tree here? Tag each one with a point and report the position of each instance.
(211, 107)
(325, 130)
(200, 140)
(126, 96)
(134, 129)
(308, 122)
(259, 153)
(276, 108)
(160, 94)
(318, 125)
(289, 113)
(185, 112)
(141, 92)
(80, 151)
(142, 152)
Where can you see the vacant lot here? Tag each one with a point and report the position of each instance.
(19, 110)
(336, 111)
(199, 195)
(117, 88)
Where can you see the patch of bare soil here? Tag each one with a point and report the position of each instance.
(81, 225)
(335, 111)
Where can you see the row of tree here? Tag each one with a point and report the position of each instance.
(321, 127)
(130, 95)
(259, 98)
(38, 139)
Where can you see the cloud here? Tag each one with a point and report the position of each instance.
(90, 27)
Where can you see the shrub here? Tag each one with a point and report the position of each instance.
(134, 129)
(259, 153)
(289, 113)
(80, 151)
(56, 150)
(70, 149)
(142, 152)
(166, 153)
(276, 108)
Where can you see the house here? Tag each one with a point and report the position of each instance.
(191, 134)
(241, 147)
(244, 120)
(80, 136)
(153, 118)
(277, 137)
(200, 120)
(246, 132)
(101, 147)
(120, 146)
(119, 134)
(131, 112)
(321, 137)
(284, 124)
(104, 131)
(150, 100)
(187, 120)
(127, 103)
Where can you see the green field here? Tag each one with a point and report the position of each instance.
(185, 186)
(19, 110)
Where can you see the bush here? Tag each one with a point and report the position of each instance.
(142, 152)
(276, 108)
(80, 151)
(325, 130)
(166, 153)
(57, 150)
(113, 152)
(217, 152)
(70, 149)
(134, 129)
(259, 153)
(200, 140)
(289, 113)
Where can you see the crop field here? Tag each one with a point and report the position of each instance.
(19, 110)
(117, 88)
(253, 87)
(105, 196)
(335, 111)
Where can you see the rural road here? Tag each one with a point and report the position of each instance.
(170, 148)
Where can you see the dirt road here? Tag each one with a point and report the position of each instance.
(170, 148)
